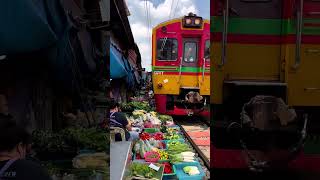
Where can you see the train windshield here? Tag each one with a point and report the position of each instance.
(167, 49)
(190, 51)
(207, 50)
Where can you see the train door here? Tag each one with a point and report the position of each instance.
(204, 66)
(190, 62)
(303, 77)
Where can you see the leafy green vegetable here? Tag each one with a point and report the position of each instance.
(175, 158)
(141, 106)
(164, 118)
(163, 129)
(177, 148)
(171, 136)
(70, 139)
(140, 169)
(91, 138)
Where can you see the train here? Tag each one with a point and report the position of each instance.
(265, 51)
(181, 66)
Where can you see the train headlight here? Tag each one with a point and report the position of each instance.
(197, 21)
(192, 21)
(160, 85)
(188, 21)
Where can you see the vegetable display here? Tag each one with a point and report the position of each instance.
(151, 145)
(191, 170)
(163, 129)
(175, 158)
(125, 107)
(177, 147)
(173, 130)
(188, 156)
(86, 138)
(158, 136)
(140, 105)
(182, 157)
(144, 136)
(165, 118)
(156, 143)
(163, 154)
(139, 169)
(171, 136)
(151, 156)
(148, 124)
(143, 146)
(71, 138)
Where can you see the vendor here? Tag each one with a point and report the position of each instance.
(14, 145)
(118, 119)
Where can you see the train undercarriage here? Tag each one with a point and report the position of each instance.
(237, 144)
(180, 105)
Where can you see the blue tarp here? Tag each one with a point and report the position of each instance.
(121, 68)
(27, 26)
(117, 64)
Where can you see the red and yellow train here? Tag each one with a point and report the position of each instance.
(271, 48)
(181, 66)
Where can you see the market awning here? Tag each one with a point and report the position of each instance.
(30, 25)
(117, 64)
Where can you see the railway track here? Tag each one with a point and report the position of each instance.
(197, 132)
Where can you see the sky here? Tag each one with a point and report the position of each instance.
(159, 11)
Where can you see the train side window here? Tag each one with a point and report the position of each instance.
(207, 50)
(167, 49)
(190, 51)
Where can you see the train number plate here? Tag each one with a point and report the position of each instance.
(158, 72)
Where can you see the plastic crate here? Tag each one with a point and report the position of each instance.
(169, 177)
(151, 130)
(178, 168)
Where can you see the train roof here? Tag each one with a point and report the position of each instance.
(174, 21)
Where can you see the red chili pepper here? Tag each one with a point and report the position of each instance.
(158, 136)
(167, 168)
(144, 136)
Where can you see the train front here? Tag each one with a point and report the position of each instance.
(181, 66)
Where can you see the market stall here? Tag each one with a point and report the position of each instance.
(73, 153)
(162, 152)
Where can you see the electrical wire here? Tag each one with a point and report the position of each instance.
(170, 9)
(175, 9)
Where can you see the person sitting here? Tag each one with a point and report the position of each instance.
(118, 119)
(14, 146)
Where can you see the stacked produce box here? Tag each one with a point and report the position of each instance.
(162, 151)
